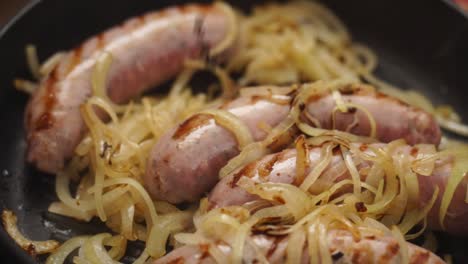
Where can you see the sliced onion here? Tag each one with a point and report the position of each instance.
(458, 173)
(325, 159)
(302, 159)
(165, 226)
(60, 255)
(10, 220)
(340, 104)
(453, 126)
(295, 248)
(142, 193)
(62, 209)
(232, 31)
(94, 251)
(33, 61)
(296, 200)
(99, 79)
(233, 124)
(250, 153)
(51, 63)
(416, 215)
(424, 164)
(25, 86)
(403, 245)
(118, 246)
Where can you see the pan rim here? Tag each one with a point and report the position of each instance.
(12, 251)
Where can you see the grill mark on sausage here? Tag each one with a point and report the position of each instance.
(420, 256)
(100, 41)
(46, 120)
(75, 58)
(190, 125)
(281, 141)
(314, 98)
(204, 248)
(247, 171)
(360, 207)
(179, 260)
(414, 151)
(265, 169)
(363, 147)
(391, 250)
(275, 243)
(279, 199)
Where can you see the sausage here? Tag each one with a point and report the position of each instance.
(394, 118)
(194, 159)
(343, 247)
(281, 168)
(191, 154)
(147, 50)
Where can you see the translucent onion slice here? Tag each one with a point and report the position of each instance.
(296, 200)
(59, 256)
(99, 80)
(325, 159)
(302, 159)
(62, 209)
(232, 31)
(118, 246)
(250, 153)
(403, 245)
(94, 251)
(139, 190)
(415, 216)
(25, 86)
(50, 63)
(295, 248)
(453, 126)
(33, 61)
(356, 178)
(424, 164)
(458, 173)
(340, 104)
(233, 124)
(165, 226)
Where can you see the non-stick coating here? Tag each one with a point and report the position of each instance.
(421, 44)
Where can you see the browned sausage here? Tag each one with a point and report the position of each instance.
(394, 119)
(185, 162)
(343, 247)
(282, 169)
(146, 50)
(192, 155)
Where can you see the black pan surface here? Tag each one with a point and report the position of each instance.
(421, 44)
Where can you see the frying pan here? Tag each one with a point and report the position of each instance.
(421, 44)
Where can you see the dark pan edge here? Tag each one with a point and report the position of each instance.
(10, 251)
(4, 30)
